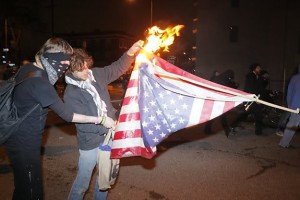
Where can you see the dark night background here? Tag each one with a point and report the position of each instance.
(218, 35)
(132, 17)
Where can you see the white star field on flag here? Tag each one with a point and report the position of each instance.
(162, 111)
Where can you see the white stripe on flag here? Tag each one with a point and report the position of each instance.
(196, 112)
(237, 103)
(128, 126)
(217, 109)
(238, 99)
(134, 75)
(128, 143)
(133, 107)
(132, 91)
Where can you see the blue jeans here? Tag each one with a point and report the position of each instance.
(290, 130)
(86, 164)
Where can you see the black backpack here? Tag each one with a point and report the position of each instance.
(9, 119)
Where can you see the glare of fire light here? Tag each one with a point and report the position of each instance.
(158, 38)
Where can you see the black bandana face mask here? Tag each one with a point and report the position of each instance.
(53, 65)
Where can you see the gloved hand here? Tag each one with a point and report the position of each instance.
(108, 122)
(135, 48)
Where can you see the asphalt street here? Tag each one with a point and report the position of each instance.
(190, 165)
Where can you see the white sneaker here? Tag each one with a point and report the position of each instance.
(279, 133)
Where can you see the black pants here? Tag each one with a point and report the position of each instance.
(256, 110)
(26, 163)
(224, 122)
(284, 118)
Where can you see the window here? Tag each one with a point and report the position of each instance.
(233, 33)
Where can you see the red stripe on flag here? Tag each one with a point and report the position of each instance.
(127, 134)
(133, 83)
(228, 106)
(206, 110)
(129, 152)
(129, 99)
(129, 116)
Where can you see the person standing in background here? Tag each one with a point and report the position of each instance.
(214, 75)
(227, 79)
(253, 85)
(293, 101)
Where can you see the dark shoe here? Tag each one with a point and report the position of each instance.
(227, 132)
(290, 147)
(287, 147)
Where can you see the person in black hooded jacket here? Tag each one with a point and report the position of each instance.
(253, 85)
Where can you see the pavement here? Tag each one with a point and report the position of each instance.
(190, 165)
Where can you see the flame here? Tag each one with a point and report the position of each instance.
(158, 38)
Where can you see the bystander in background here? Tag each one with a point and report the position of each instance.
(253, 85)
(293, 102)
(227, 79)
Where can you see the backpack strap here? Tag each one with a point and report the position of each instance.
(29, 112)
(29, 75)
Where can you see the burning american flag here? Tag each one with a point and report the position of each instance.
(162, 99)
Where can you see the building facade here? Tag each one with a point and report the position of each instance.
(232, 34)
